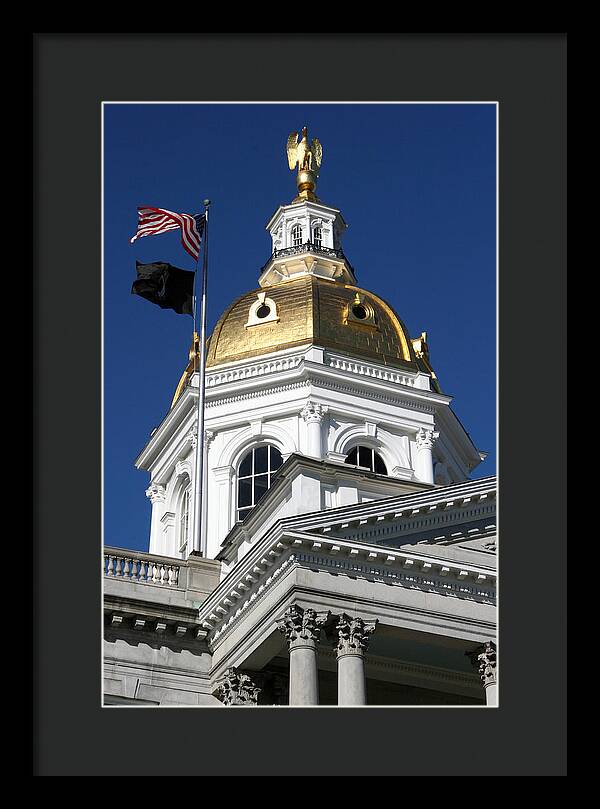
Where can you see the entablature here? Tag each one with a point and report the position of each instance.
(251, 577)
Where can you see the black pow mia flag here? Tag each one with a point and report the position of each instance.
(165, 285)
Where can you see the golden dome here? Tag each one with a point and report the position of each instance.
(314, 310)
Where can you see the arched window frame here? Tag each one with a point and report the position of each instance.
(272, 469)
(318, 236)
(374, 454)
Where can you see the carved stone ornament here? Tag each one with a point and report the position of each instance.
(237, 688)
(426, 438)
(354, 634)
(313, 412)
(192, 436)
(301, 626)
(156, 493)
(484, 659)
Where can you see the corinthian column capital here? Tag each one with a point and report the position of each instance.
(237, 688)
(354, 635)
(192, 436)
(484, 660)
(156, 493)
(302, 626)
(313, 412)
(426, 438)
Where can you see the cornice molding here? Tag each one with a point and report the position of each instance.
(254, 394)
(437, 517)
(263, 564)
(435, 499)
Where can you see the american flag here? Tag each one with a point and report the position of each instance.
(152, 221)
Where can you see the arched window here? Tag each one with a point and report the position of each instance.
(367, 458)
(296, 236)
(255, 474)
(318, 237)
(184, 518)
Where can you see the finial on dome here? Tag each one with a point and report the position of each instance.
(308, 158)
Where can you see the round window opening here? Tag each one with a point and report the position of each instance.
(360, 311)
(263, 311)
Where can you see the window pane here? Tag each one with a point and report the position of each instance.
(244, 493)
(365, 457)
(261, 455)
(380, 467)
(261, 484)
(246, 466)
(276, 459)
(242, 512)
(352, 456)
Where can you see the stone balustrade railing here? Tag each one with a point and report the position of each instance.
(364, 369)
(140, 567)
(254, 370)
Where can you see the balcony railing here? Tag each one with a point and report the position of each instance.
(308, 247)
(141, 567)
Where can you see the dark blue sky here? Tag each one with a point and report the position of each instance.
(415, 183)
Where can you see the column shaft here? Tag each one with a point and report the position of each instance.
(304, 675)
(314, 438)
(352, 688)
(425, 461)
(425, 439)
(491, 694)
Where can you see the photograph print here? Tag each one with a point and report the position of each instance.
(299, 405)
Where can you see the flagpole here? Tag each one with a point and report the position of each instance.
(197, 544)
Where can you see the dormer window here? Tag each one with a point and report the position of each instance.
(359, 312)
(262, 310)
(296, 236)
(318, 237)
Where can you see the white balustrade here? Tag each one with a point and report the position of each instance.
(370, 370)
(143, 569)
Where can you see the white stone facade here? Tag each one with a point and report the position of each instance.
(308, 401)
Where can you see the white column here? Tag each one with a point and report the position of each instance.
(313, 414)
(220, 508)
(484, 659)
(208, 439)
(302, 629)
(424, 460)
(353, 641)
(156, 494)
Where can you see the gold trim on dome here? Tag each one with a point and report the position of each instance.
(421, 349)
(193, 357)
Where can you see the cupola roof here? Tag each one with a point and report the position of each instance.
(308, 293)
(311, 310)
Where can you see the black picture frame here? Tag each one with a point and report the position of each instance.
(72, 75)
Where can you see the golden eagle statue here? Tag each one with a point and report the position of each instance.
(308, 158)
